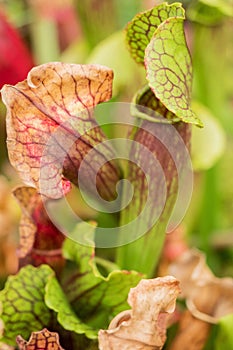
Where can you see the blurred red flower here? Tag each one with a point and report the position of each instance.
(15, 58)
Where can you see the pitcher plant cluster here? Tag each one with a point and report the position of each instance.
(65, 292)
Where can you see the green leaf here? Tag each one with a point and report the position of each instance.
(23, 306)
(169, 69)
(156, 38)
(224, 337)
(141, 29)
(56, 300)
(94, 299)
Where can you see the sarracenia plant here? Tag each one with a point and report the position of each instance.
(51, 128)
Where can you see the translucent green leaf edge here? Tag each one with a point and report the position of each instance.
(56, 300)
(141, 29)
(109, 292)
(23, 309)
(39, 286)
(55, 297)
(84, 256)
(169, 69)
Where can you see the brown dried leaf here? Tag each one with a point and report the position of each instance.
(50, 127)
(143, 327)
(43, 340)
(192, 333)
(208, 298)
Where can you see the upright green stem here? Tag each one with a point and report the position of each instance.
(97, 18)
(143, 253)
(45, 39)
